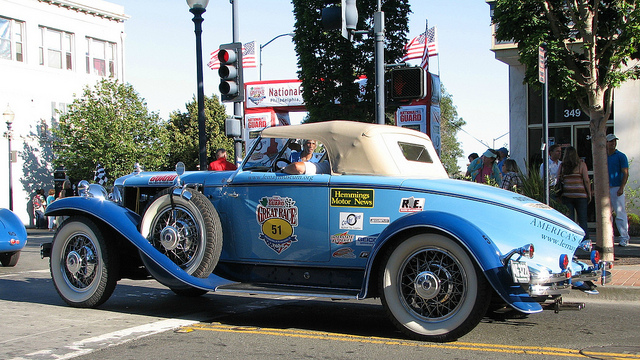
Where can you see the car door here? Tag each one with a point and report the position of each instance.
(278, 217)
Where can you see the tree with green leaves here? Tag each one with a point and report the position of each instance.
(330, 64)
(111, 125)
(450, 122)
(589, 48)
(182, 129)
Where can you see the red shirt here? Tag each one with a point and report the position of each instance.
(221, 164)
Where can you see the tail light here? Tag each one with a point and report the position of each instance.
(14, 242)
(528, 250)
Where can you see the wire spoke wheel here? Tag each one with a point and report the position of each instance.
(83, 266)
(187, 230)
(177, 234)
(432, 284)
(431, 288)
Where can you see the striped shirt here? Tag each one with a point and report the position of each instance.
(573, 186)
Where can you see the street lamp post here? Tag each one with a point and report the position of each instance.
(494, 140)
(197, 8)
(265, 45)
(8, 116)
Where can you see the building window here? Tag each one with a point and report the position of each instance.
(101, 58)
(11, 39)
(56, 49)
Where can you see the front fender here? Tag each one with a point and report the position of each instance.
(12, 229)
(477, 243)
(126, 223)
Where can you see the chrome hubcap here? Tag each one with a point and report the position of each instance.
(73, 262)
(426, 285)
(169, 237)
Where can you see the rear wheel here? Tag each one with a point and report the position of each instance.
(187, 231)
(432, 290)
(9, 259)
(83, 266)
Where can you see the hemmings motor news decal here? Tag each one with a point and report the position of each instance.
(411, 204)
(362, 198)
(278, 217)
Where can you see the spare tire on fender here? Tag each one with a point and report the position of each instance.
(184, 226)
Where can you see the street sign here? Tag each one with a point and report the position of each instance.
(542, 64)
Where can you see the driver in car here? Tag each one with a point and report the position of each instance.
(308, 152)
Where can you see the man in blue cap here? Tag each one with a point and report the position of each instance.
(618, 175)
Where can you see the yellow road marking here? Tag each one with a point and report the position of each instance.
(307, 334)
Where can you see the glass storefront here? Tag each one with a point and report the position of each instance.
(568, 126)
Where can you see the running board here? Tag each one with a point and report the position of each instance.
(287, 290)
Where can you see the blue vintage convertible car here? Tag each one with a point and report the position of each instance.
(383, 220)
(13, 237)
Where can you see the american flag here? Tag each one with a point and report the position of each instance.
(432, 41)
(415, 49)
(248, 57)
(100, 176)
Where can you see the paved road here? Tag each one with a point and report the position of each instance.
(145, 320)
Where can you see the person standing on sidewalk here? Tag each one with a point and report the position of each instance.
(555, 152)
(51, 220)
(576, 188)
(618, 176)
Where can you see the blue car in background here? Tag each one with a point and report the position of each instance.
(375, 216)
(13, 237)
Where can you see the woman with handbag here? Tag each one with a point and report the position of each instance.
(576, 188)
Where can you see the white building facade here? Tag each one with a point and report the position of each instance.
(568, 125)
(49, 51)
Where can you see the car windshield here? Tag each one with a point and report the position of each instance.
(268, 150)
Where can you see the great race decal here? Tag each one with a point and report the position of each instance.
(278, 217)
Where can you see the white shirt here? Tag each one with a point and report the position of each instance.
(553, 171)
(312, 168)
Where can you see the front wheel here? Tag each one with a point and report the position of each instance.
(83, 266)
(431, 288)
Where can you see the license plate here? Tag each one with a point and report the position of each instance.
(519, 271)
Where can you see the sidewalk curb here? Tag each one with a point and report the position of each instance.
(607, 293)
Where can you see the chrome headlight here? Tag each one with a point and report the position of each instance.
(116, 195)
(92, 190)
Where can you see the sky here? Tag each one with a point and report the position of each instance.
(160, 56)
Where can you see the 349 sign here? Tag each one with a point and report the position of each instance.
(572, 113)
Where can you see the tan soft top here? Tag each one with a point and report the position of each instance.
(356, 148)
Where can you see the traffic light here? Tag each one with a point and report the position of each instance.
(231, 84)
(344, 17)
(408, 83)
